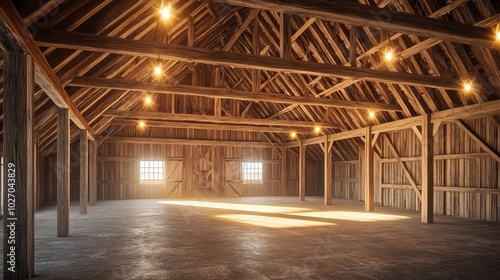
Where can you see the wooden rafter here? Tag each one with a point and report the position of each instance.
(16, 37)
(226, 93)
(211, 119)
(89, 42)
(353, 13)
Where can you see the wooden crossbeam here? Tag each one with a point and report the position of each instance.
(475, 111)
(97, 43)
(226, 93)
(15, 37)
(188, 142)
(353, 13)
(210, 119)
(207, 126)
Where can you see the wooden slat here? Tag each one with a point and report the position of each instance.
(226, 93)
(15, 37)
(88, 42)
(208, 119)
(354, 13)
(63, 178)
(18, 221)
(405, 169)
(480, 142)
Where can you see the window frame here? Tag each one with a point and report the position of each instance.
(253, 174)
(150, 169)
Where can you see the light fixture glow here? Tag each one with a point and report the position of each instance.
(317, 129)
(142, 124)
(371, 114)
(166, 10)
(148, 100)
(497, 32)
(158, 68)
(389, 54)
(467, 86)
(293, 134)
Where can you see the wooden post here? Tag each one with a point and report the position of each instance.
(369, 181)
(84, 171)
(427, 170)
(302, 172)
(283, 172)
(63, 199)
(328, 173)
(18, 221)
(92, 173)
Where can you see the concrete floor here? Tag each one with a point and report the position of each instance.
(287, 239)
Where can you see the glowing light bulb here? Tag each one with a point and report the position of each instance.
(142, 124)
(371, 114)
(389, 54)
(497, 32)
(467, 86)
(293, 134)
(157, 70)
(166, 10)
(148, 100)
(317, 129)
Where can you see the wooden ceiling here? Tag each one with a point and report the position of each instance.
(262, 67)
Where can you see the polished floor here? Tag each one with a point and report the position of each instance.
(262, 238)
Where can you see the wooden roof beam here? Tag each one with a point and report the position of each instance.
(353, 13)
(89, 42)
(136, 115)
(226, 93)
(15, 37)
(205, 126)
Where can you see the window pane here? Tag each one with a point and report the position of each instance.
(151, 170)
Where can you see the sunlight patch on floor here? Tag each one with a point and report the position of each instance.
(235, 206)
(351, 216)
(272, 222)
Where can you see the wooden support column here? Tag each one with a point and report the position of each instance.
(18, 221)
(328, 172)
(93, 173)
(369, 181)
(427, 170)
(283, 172)
(302, 172)
(84, 171)
(63, 179)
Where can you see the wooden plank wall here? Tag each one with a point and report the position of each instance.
(465, 177)
(118, 172)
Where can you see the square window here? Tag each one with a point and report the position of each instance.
(252, 172)
(151, 171)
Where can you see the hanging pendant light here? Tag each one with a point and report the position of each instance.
(166, 10)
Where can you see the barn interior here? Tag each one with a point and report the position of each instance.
(258, 139)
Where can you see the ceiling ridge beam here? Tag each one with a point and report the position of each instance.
(89, 42)
(353, 13)
(103, 83)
